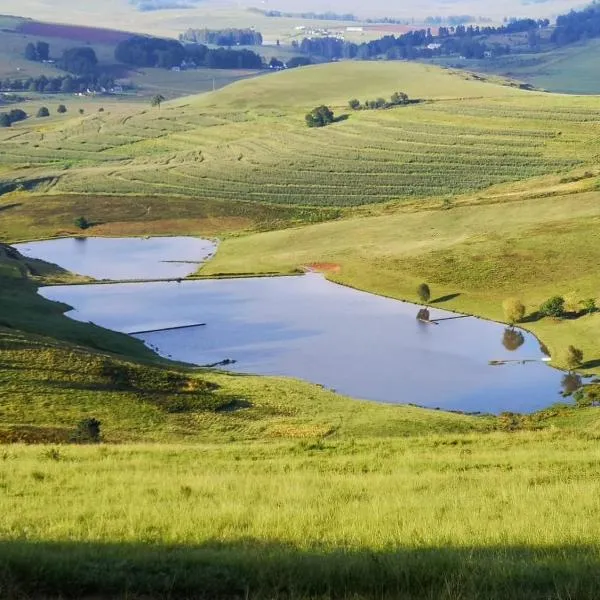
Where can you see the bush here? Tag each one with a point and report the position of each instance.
(319, 117)
(553, 307)
(514, 310)
(43, 112)
(589, 305)
(82, 223)
(354, 104)
(87, 432)
(5, 120)
(62, 109)
(574, 357)
(424, 293)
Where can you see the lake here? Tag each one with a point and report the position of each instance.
(356, 343)
(124, 258)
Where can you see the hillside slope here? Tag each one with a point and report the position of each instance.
(249, 144)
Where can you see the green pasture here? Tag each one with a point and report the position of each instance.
(249, 142)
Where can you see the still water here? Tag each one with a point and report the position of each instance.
(124, 258)
(356, 343)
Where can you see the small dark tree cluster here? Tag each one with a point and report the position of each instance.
(223, 37)
(43, 112)
(397, 99)
(65, 84)
(553, 307)
(79, 61)
(82, 223)
(319, 117)
(39, 51)
(87, 432)
(15, 115)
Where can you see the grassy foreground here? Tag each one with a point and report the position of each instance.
(211, 485)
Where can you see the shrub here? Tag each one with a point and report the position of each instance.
(101, 109)
(43, 112)
(62, 109)
(82, 223)
(87, 432)
(319, 117)
(354, 104)
(553, 307)
(589, 305)
(5, 120)
(81, 111)
(514, 310)
(574, 357)
(424, 293)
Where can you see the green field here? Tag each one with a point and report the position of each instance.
(213, 485)
(570, 70)
(249, 142)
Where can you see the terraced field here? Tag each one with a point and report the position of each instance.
(249, 141)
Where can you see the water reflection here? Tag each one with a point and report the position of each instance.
(512, 339)
(424, 315)
(571, 382)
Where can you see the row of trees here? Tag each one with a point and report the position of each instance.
(15, 115)
(397, 99)
(577, 25)
(142, 51)
(65, 84)
(223, 37)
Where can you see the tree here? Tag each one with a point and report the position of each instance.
(514, 310)
(157, 100)
(62, 109)
(80, 61)
(5, 120)
(512, 339)
(43, 112)
(67, 85)
(319, 117)
(424, 293)
(574, 357)
(82, 223)
(42, 50)
(81, 111)
(399, 98)
(30, 52)
(553, 307)
(354, 104)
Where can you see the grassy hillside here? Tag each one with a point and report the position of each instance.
(249, 141)
(569, 70)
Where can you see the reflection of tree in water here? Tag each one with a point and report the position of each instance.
(544, 350)
(423, 315)
(512, 339)
(571, 382)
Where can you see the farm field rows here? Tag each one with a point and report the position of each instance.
(249, 142)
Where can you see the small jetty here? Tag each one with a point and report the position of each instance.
(519, 361)
(168, 329)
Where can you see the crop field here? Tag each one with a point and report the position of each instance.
(249, 142)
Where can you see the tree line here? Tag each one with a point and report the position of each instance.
(222, 37)
(577, 26)
(143, 51)
(422, 43)
(65, 84)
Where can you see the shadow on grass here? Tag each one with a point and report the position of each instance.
(445, 298)
(591, 364)
(341, 118)
(9, 206)
(262, 570)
